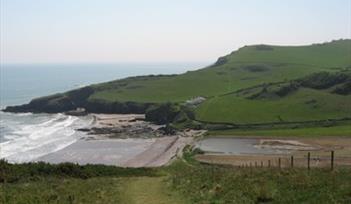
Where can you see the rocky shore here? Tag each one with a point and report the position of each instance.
(112, 126)
(124, 140)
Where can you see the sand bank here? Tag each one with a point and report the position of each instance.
(143, 143)
(121, 152)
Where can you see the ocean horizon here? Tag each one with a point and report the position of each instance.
(25, 136)
(19, 83)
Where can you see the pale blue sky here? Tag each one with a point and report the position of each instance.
(94, 31)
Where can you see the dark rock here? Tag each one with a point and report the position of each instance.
(84, 129)
(77, 112)
(168, 130)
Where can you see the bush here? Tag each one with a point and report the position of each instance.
(162, 114)
(343, 89)
(324, 80)
(221, 61)
(285, 90)
(28, 171)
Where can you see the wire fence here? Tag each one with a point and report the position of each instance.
(308, 161)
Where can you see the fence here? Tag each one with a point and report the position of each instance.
(290, 162)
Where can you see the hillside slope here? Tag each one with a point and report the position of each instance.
(249, 66)
(223, 84)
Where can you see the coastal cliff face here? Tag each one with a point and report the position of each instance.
(72, 100)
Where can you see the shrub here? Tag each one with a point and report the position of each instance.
(28, 171)
(324, 80)
(162, 114)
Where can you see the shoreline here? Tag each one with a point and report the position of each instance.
(123, 140)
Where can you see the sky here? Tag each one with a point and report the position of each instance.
(114, 31)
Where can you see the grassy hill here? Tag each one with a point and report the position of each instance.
(246, 86)
(248, 66)
(316, 97)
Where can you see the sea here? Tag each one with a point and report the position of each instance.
(25, 137)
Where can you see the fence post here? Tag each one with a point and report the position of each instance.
(279, 163)
(261, 164)
(332, 160)
(255, 164)
(308, 160)
(269, 163)
(292, 161)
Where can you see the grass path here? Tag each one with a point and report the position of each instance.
(145, 190)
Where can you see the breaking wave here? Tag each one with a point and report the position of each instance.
(25, 137)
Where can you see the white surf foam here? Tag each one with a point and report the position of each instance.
(33, 136)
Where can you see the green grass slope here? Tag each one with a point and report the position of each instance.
(295, 107)
(245, 68)
(249, 66)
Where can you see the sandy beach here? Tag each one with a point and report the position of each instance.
(123, 140)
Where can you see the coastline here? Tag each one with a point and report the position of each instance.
(123, 140)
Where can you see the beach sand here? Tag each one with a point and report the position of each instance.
(121, 152)
(106, 148)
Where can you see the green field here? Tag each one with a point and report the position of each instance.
(291, 108)
(340, 130)
(218, 184)
(184, 182)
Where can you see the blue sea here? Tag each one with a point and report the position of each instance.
(25, 136)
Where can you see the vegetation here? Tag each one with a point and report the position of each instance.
(247, 67)
(162, 114)
(302, 105)
(10, 173)
(219, 184)
(153, 190)
(64, 183)
(340, 130)
(255, 84)
(59, 190)
(185, 181)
